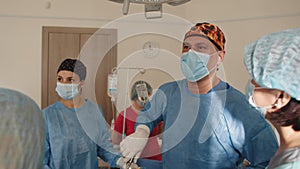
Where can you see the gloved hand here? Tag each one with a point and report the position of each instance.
(133, 145)
(122, 165)
(120, 162)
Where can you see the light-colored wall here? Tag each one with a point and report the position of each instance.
(21, 31)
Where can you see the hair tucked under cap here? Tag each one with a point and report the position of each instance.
(210, 31)
(73, 65)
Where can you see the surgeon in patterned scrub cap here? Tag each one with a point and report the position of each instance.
(22, 132)
(208, 123)
(273, 62)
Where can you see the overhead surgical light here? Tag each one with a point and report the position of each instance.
(153, 8)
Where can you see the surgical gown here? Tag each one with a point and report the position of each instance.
(76, 136)
(216, 130)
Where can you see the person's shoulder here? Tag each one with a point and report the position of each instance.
(88, 101)
(171, 85)
(129, 112)
(52, 107)
(233, 91)
(91, 105)
(122, 113)
(169, 88)
(238, 106)
(235, 96)
(238, 101)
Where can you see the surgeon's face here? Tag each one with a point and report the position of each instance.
(199, 44)
(203, 45)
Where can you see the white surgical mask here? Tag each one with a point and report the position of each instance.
(262, 110)
(67, 91)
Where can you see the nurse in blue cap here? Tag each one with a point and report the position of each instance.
(273, 64)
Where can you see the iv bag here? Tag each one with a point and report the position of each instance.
(112, 86)
(142, 92)
(112, 124)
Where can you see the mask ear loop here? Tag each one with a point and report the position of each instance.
(275, 104)
(81, 86)
(216, 66)
(272, 106)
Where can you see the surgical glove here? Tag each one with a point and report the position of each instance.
(133, 145)
(122, 165)
(133, 166)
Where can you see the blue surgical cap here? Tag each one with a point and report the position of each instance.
(22, 131)
(273, 61)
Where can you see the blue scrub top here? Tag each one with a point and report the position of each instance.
(216, 130)
(75, 137)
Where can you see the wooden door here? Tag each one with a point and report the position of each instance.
(59, 43)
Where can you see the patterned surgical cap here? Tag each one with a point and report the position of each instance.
(273, 61)
(210, 31)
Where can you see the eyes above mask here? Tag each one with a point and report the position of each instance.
(67, 91)
(194, 65)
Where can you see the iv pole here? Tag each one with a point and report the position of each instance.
(113, 100)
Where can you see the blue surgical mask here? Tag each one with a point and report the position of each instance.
(194, 65)
(67, 91)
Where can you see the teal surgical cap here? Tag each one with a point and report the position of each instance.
(273, 61)
(22, 131)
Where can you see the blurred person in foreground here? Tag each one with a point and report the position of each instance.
(22, 132)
